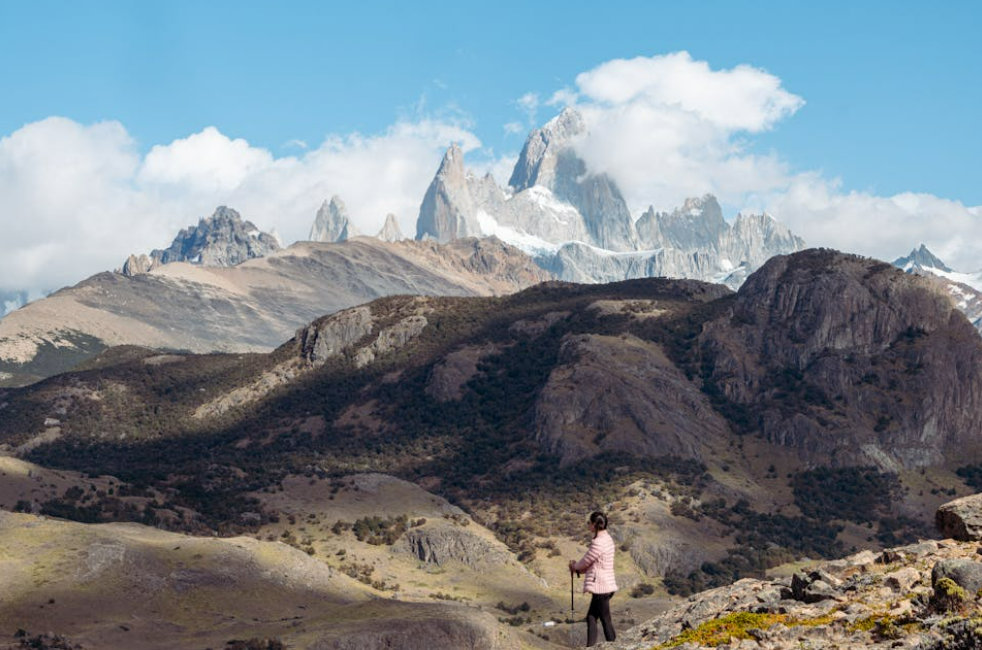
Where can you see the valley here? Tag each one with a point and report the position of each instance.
(437, 456)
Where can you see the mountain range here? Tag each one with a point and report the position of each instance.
(828, 405)
(210, 291)
(578, 225)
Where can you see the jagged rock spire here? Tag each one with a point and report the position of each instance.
(390, 230)
(919, 259)
(447, 209)
(332, 223)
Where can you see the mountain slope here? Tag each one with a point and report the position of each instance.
(848, 361)
(251, 307)
(125, 586)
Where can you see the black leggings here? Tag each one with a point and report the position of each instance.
(599, 608)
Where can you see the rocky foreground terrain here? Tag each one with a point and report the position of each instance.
(926, 595)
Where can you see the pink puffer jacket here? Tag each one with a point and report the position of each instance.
(599, 565)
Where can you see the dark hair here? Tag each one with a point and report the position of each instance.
(599, 520)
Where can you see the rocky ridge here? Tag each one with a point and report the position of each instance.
(924, 595)
(256, 305)
(223, 239)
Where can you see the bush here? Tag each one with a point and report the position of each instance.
(642, 589)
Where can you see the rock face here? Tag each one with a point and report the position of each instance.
(961, 519)
(323, 340)
(332, 223)
(447, 210)
(638, 402)
(390, 230)
(548, 160)
(848, 361)
(537, 163)
(698, 224)
(223, 239)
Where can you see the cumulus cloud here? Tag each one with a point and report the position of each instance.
(742, 98)
(77, 199)
(884, 227)
(670, 127)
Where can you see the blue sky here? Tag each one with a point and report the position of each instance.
(893, 89)
(856, 123)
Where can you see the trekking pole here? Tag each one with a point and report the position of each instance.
(572, 614)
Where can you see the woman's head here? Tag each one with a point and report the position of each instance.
(598, 521)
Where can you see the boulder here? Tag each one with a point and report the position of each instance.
(961, 519)
(967, 574)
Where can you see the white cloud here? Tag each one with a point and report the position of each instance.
(669, 127)
(528, 104)
(881, 227)
(742, 98)
(513, 128)
(78, 199)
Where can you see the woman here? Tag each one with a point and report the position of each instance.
(599, 581)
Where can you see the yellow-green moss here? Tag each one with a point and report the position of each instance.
(724, 629)
(737, 626)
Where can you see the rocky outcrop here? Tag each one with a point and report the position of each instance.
(538, 160)
(136, 264)
(390, 229)
(392, 338)
(961, 519)
(332, 223)
(223, 239)
(622, 394)
(443, 542)
(331, 336)
(848, 361)
(892, 600)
